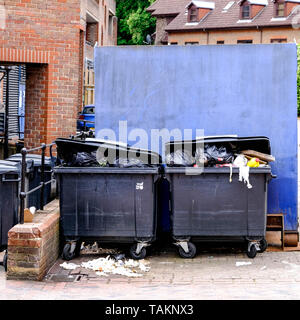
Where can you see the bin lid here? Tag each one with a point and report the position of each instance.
(9, 167)
(31, 159)
(66, 148)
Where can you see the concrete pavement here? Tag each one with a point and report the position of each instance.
(211, 275)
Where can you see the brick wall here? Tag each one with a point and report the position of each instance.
(46, 36)
(161, 24)
(34, 247)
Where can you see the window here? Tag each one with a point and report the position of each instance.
(220, 42)
(193, 14)
(173, 43)
(191, 43)
(279, 40)
(244, 41)
(110, 24)
(280, 9)
(246, 11)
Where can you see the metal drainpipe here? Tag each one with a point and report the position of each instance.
(257, 27)
(207, 36)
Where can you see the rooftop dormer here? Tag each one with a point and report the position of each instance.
(251, 8)
(197, 10)
(283, 8)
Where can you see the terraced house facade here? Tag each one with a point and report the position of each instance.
(185, 22)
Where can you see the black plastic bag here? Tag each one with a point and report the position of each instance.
(128, 163)
(84, 159)
(180, 158)
(217, 155)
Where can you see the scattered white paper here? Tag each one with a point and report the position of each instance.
(105, 266)
(69, 266)
(238, 264)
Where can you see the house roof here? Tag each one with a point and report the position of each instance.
(167, 7)
(202, 4)
(226, 14)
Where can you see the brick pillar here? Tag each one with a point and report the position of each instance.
(36, 105)
(34, 247)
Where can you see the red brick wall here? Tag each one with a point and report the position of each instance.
(290, 6)
(34, 247)
(46, 34)
(202, 13)
(255, 9)
(92, 32)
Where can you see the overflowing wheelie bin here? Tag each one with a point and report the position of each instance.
(33, 178)
(209, 201)
(9, 184)
(106, 199)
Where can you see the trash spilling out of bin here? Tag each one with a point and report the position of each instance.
(105, 266)
(224, 201)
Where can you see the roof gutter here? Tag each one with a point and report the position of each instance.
(228, 28)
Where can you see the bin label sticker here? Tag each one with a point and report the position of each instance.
(139, 186)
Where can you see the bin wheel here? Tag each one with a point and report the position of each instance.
(136, 256)
(191, 254)
(251, 253)
(263, 245)
(5, 261)
(67, 254)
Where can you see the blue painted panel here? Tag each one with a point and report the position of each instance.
(247, 90)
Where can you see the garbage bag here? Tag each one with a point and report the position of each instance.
(180, 158)
(128, 163)
(84, 159)
(217, 155)
(200, 157)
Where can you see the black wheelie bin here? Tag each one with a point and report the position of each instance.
(206, 206)
(9, 181)
(33, 178)
(113, 203)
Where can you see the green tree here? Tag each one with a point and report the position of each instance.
(134, 23)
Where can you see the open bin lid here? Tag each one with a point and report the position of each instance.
(67, 148)
(232, 145)
(237, 144)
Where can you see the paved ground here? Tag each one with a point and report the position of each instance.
(211, 275)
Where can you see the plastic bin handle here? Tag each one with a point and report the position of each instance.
(46, 171)
(10, 180)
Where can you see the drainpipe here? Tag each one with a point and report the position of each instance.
(207, 36)
(260, 34)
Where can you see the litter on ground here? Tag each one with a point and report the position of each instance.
(69, 266)
(108, 265)
(263, 268)
(238, 264)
